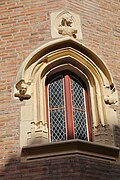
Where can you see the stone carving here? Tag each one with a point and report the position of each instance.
(22, 88)
(66, 25)
(38, 133)
(111, 96)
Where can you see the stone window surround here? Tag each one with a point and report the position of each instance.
(58, 55)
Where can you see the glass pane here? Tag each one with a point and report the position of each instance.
(56, 110)
(80, 125)
(56, 94)
(57, 125)
(80, 128)
(77, 95)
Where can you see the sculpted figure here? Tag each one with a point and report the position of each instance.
(66, 27)
(111, 96)
(67, 20)
(22, 87)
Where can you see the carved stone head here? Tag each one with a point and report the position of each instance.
(23, 88)
(67, 20)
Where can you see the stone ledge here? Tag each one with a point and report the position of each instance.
(69, 147)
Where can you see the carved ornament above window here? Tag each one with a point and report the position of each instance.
(65, 23)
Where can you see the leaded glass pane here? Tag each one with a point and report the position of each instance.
(80, 128)
(56, 110)
(57, 125)
(80, 124)
(56, 94)
(77, 95)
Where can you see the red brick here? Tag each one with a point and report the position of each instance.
(24, 26)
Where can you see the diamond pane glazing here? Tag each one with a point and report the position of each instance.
(77, 94)
(56, 94)
(80, 125)
(79, 116)
(56, 110)
(57, 125)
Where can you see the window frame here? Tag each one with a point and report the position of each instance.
(67, 91)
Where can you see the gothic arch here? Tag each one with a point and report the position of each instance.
(40, 55)
(65, 53)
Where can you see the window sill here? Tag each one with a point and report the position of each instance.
(70, 147)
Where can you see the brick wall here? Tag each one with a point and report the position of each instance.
(67, 168)
(24, 26)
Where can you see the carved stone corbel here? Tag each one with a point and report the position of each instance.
(22, 88)
(111, 95)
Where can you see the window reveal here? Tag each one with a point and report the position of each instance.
(67, 109)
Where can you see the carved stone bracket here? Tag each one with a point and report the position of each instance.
(111, 97)
(22, 88)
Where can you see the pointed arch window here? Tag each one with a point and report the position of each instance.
(67, 108)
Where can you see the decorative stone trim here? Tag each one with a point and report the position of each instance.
(58, 55)
(71, 147)
(37, 135)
